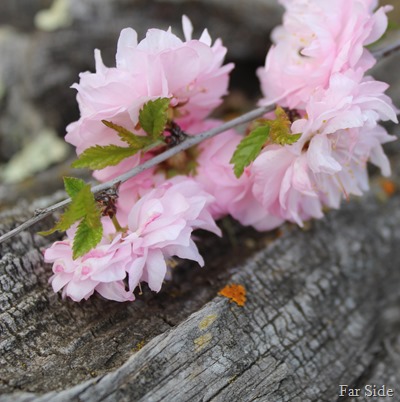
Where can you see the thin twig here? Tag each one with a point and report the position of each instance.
(187, 143)
(380, 52)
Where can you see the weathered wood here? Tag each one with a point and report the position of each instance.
(322, 305)
(322, 309)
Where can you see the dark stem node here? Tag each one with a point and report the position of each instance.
(177, 135)
(107, 200)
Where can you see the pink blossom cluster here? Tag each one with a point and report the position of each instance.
(318, 39)
(160, 225)
(190, 73)
(316, 70)
(318, 65)
(158, 214)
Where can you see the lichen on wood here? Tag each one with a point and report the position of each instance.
(321, 310)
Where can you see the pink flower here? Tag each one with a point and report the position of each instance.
(350, 101)
(101, 270)
(339, 162)
(160, 226)
(233, 196)
(135, 188)
(317, 39)
(188, 72)
(284, 185)
(339, 135)
(296, 184)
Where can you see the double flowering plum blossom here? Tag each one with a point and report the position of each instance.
(282, 184)
(317, 67)
(190, 73)
(102, 269)
(349, 101)
(318, 38)
(339, 135)
(290, 187)
(160, 226)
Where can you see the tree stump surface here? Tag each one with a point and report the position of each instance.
(322, 310)
(322, 305)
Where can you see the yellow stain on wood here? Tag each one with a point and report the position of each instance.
(202, 341)
(236, 293)
(207, 321)
(139, 346)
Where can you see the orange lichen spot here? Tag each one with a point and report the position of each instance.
(236, 293)
(388, 187)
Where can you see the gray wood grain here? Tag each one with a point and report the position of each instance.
(322, 306)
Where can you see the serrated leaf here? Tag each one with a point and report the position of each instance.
(153, 117)
(75, 211)
(83, 205)
(86, 238)
(280, 132)
(135, 141)
(99, 157)
(249, 148)
(73, 185)
(93, 213)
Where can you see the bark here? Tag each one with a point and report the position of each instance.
(322, 310)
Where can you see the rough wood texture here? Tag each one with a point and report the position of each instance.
(323, 305)
(322, 310)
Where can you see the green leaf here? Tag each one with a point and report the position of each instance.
(280, 129)
(75, 211)
(249, 148)
(135, 141)
(82, 206)
(153, 117)
(86, 238)
(73, 185)
(99, 157)
(93, 213)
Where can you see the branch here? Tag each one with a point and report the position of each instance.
(189, 142)
(380, 51)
